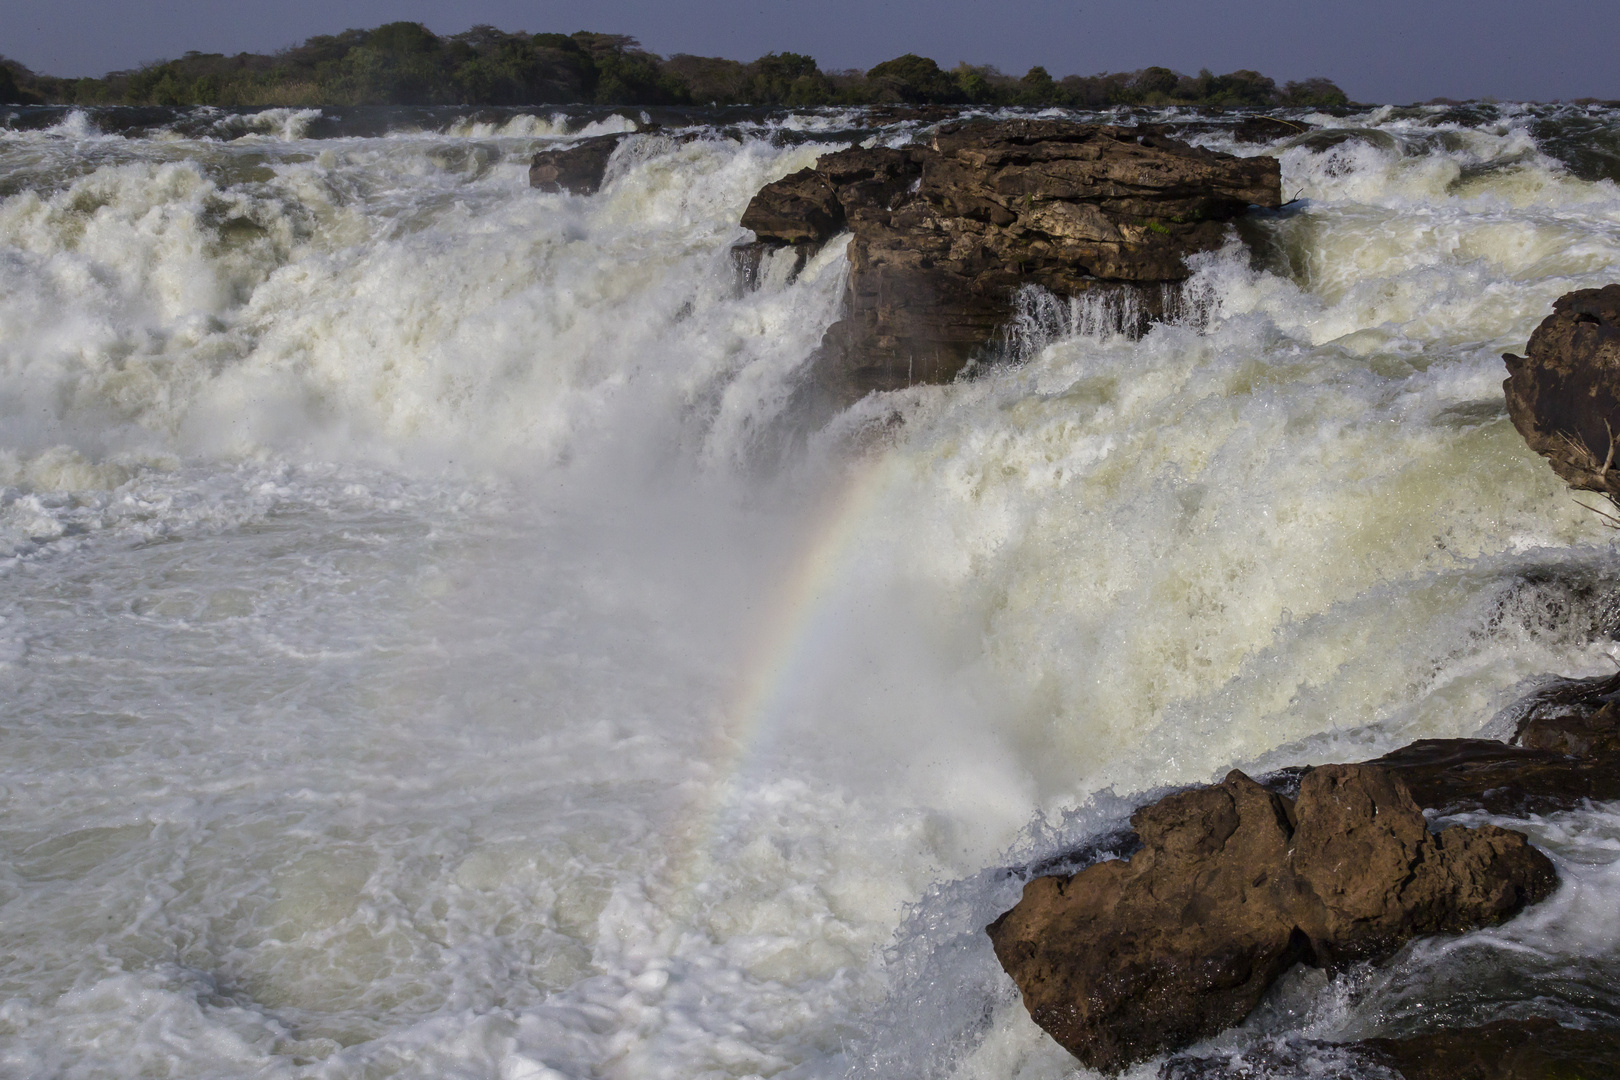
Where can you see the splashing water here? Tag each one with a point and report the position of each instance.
(424, 654)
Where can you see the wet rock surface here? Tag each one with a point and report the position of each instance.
(1453, 775)
(1233, 885)
(1265, 129)
(1564, 394)
(1505, 1050)
(945, 232)
(578, 169)
(1565, 751)
(1578, 717)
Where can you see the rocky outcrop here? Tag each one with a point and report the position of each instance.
(1565, 751)
(1505, 1050)
(578, 169)
(1173, 942)
(1576, 717)
(945, 232)
(1233, 885)
(1453, 775)
(1564, 394)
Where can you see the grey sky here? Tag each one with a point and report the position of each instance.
(1378, 50)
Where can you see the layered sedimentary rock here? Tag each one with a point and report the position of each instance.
(1233, 885)
(945, 232)
(579, 169)
(1564, 394)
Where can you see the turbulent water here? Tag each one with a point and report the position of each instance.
(432, 646)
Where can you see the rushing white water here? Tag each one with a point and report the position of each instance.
(430, 646)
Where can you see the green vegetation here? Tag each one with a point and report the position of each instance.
(404, 63)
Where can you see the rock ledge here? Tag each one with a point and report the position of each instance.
(946, 232)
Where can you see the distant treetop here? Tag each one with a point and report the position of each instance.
(404, 63)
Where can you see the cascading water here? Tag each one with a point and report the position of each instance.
(429, 646)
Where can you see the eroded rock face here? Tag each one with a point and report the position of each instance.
(1564, 394)
(946, 232)
(578, 169)
(1233, 885)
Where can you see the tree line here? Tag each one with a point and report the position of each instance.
(404, 63)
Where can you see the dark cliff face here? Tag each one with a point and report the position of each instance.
(945, 233)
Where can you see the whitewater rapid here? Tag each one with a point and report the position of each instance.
(432, 645)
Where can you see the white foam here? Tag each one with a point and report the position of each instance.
(286, 125)
(392, 551)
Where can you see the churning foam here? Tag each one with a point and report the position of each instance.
(430, 647)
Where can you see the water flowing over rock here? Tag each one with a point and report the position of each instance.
(1564, 394)
(1234, 884)
(1576, 717)
(1455, 775)
(1536, 1049)
(945, 232)
(1265, 129)
(1564, 752)
(577, 169)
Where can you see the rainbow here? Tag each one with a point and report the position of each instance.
(798, 616)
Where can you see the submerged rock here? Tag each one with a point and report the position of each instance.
(1453, 775)
(1505, 1050)
(1564, 394)
(945, 233)
(1233, 885)
(1564, 752)
(578, 169)
(1265, 129)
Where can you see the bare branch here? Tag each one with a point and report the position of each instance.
(1610, 521)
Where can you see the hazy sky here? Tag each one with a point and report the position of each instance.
(1377, 50)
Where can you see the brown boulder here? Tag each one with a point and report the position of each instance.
(946, 232)
(1234, 884)
(797, 209)
(578, 169)
(1564, 394)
